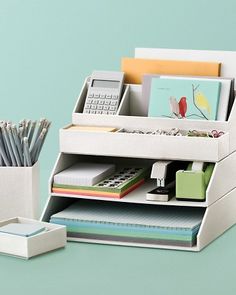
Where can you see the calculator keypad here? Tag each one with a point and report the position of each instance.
(101, 104)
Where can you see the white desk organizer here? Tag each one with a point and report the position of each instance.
(19, 192)
(220, 203)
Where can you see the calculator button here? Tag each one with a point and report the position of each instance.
(92, 112)
(111, 113)
(95, 101)
(87, 111)
(114, 96)
(93, 107)
(96, 96)
(106, 108)
(98, 112)
(107, 101)
(108, 96)
(87, 106)
(101, 101)
(89, 100)
(90, 95)
(112, 108)
(113, 102)
(99, 107)
(102, 96)
(105, 112)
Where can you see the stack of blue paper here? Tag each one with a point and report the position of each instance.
(131, 223)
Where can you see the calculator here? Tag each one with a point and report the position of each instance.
(104, 93)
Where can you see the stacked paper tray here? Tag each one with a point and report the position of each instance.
(132, 223)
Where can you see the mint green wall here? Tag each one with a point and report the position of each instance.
(47, 47)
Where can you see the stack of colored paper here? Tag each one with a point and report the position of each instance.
(131, 223)
(119, 184)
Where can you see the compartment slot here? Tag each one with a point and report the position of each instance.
(144, 145)
(122, 109)
(137, 196)
(155, 225)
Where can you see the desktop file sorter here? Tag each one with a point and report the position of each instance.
(220, 203)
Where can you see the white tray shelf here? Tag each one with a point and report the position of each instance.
(76, 146)
(137, 197)
(217, 218)
(146, 146)
(217, 188)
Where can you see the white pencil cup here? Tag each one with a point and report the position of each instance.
(19, 192)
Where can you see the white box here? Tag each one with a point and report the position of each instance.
(26, 247)
(157, 146)
(19, 192)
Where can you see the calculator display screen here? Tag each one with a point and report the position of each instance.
(105, 83)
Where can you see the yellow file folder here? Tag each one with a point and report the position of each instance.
(134, 68)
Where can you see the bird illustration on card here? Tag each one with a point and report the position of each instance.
(184, 98)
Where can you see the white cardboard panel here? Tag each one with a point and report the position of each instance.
(223, 179)
(144, 146)
(219, 217)
(26, 247)
(124, 107)
(129, 244)
(54, 205)
(147, 124)
(227, 58)
(19, 188)
(133, 114)
(81, 98)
